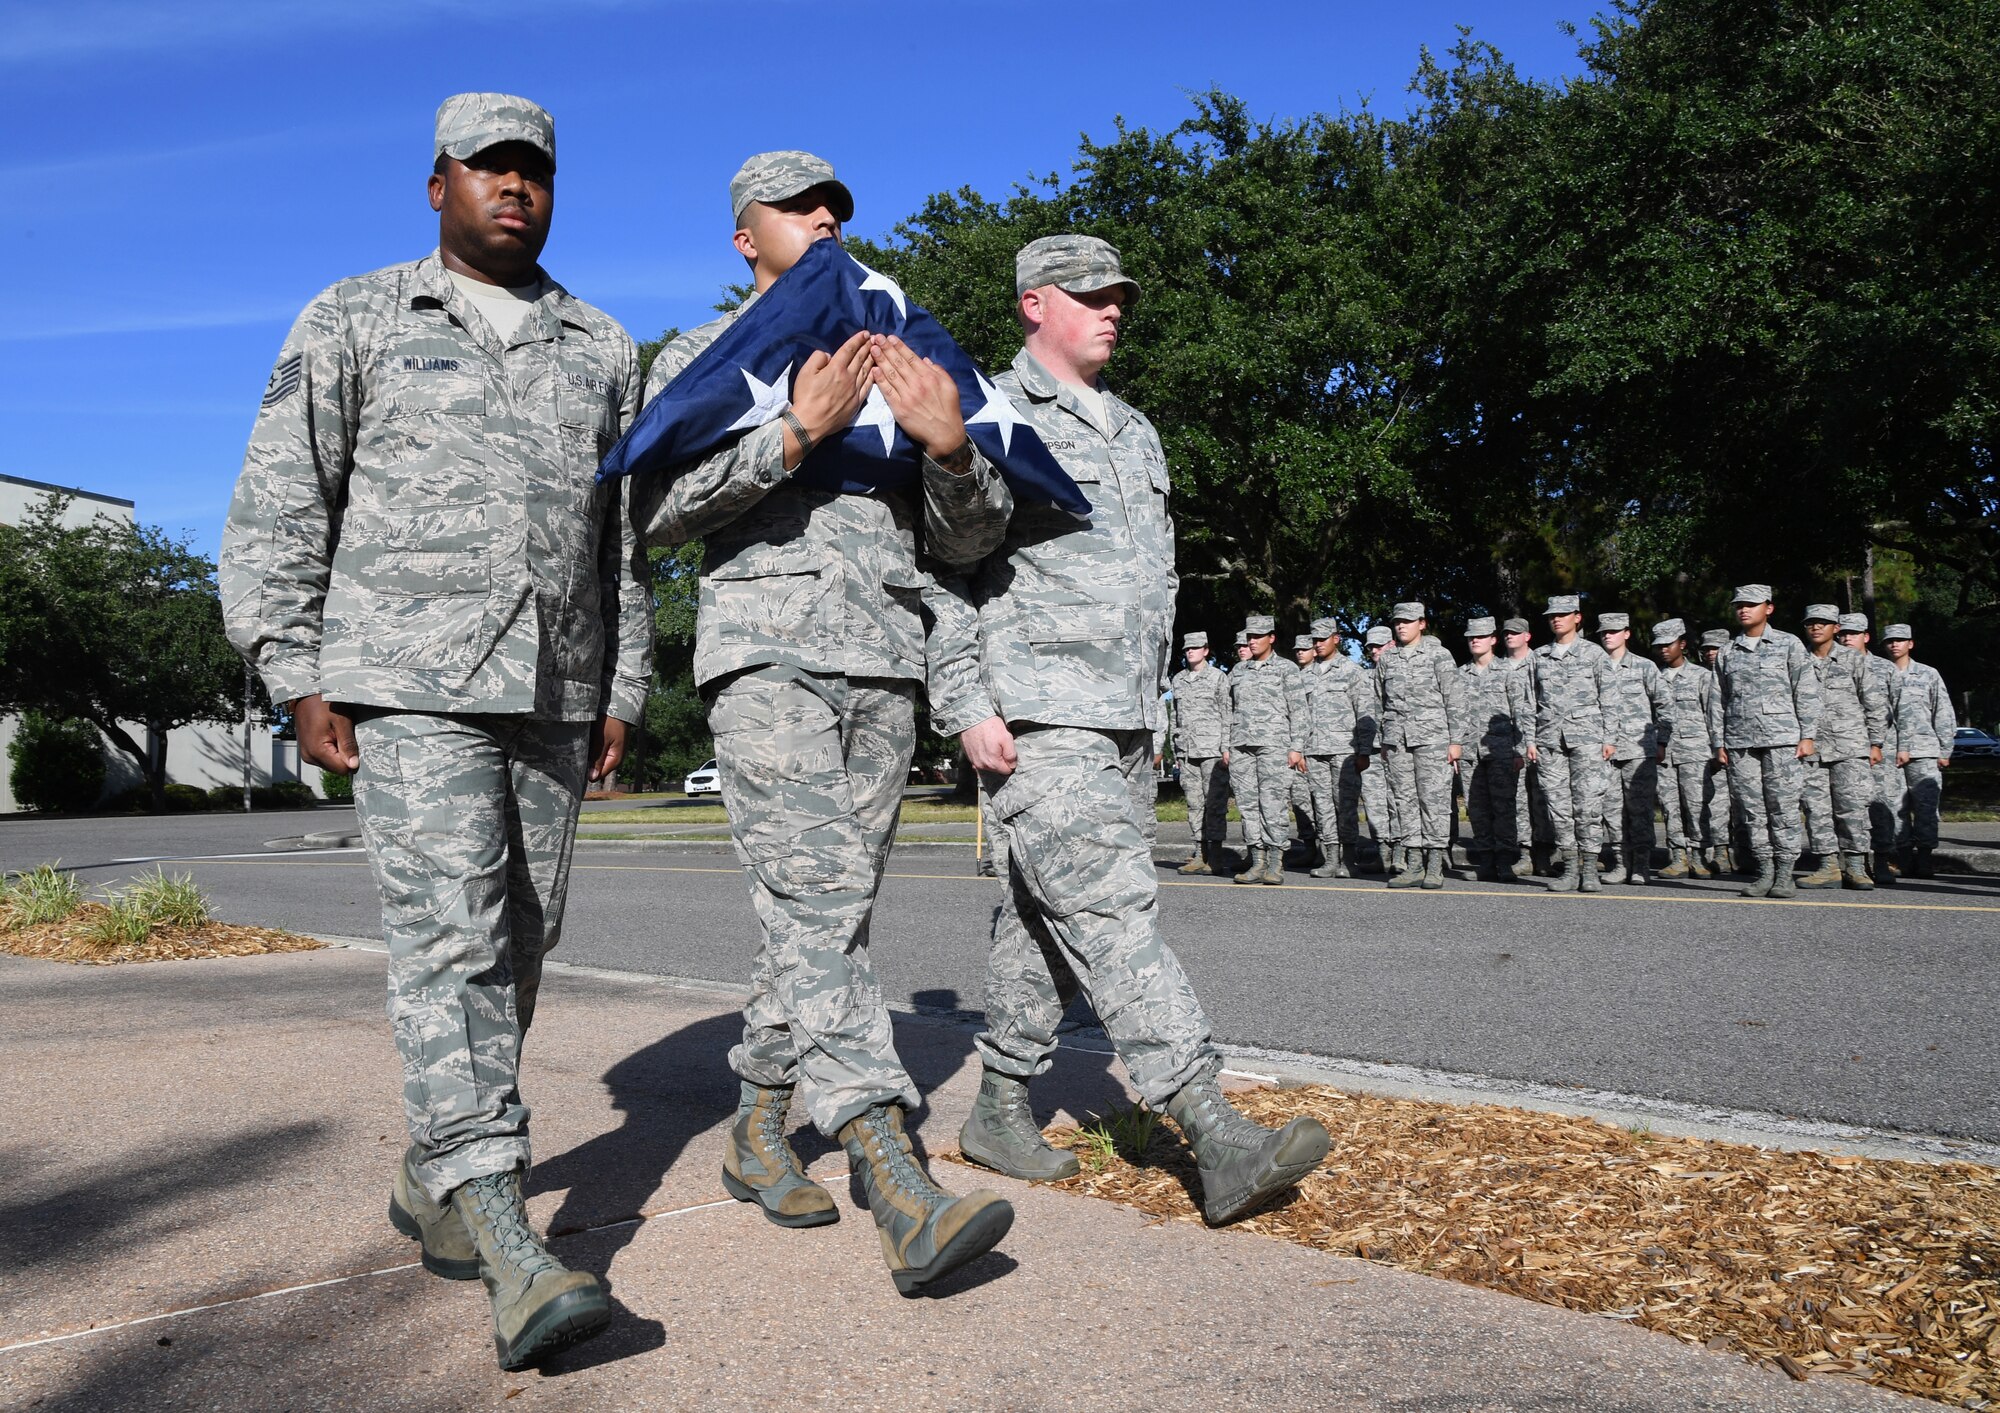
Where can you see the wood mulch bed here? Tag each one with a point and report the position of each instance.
(71, 941)
(1878, 1270)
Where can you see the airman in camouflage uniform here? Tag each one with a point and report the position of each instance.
(1632, 781)
(1766, 711)
(1049, 661)
(1881, 819)
(1686, 754)
(1925, 729)
(1421, 724)
(1201, 734)
(1839, 775)
(1728, 843)
(809, 647)
(1340, 725)
(1307, 828)
(1376, 796)
(1576, 687)
(1531, 810)
(419, 554)
(1267, 737)
(1501, 705)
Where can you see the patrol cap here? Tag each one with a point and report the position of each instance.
(1324, 628)
(1613, 622)
(1377, 636)
(1752, 593)
(1303, 643)
(472, 122)
(1895, 632)
(1080, 264)
(1260, 625)
(1194, 640)
(779, 176)
(1515, 625)
(1479, 628)
(1715, 638)
(1854, 623)
(1668, 629)
(1242, 640)
(1822, 613)
(1408, 612)
(1562, 603)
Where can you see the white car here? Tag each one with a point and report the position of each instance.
(703, 782)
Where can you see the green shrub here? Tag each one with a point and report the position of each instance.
(186, 799)
(338, 787)
(43, 895)
(225, 797)
(122, 923)
(133, 799)
(175, 901)
(58, 766)
(293, 795)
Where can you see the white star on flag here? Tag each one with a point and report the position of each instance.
(767, 400)
(882, 284)
(1000, 411)
(875, 413)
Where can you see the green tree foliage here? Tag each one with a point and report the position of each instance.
(56, 766)
(112, 623)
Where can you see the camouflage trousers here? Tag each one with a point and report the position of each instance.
(1262, 777)
(1336, 798)
(1685, 791)
(1836, 796)
(812, 770)
(1376, 799)
(1573, 785)
(1205, 784)
(1307, 824)
(1493, 791)
(1531, 809)
(1882, 809)
(1631, 787)
(469, 821)
(1081, 912)
(994, 838)
(1917, 792)
(1724, 824)
(1420, 783)
(1765, 781)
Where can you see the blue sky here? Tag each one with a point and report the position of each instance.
(185, 175)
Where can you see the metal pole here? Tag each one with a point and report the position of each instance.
(247, 699)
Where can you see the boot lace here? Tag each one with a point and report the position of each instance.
(891, 1154)
(515, 1243)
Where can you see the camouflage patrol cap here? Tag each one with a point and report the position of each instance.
(1480, 628)
(1515, 625)
(1854, 623)
(1303, 643)
(1080, 264)
(1324, 628)
(1822, 613)
(472, 122)
(1194, 640)
(1668, 629)
(1562, 603)
(1260, 625)
(1715, 638)
(1752, 593)
(1242, 640)
(779, 176)
(1614, 622)
(1897, 632)
(1408, 612)
(1378, 636)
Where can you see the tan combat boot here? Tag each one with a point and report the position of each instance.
(926, 1232)
(1854, 872)
(1253, 871)
(448, 1248)
(1567, 873)
(1827, 875)
(1198, 860)
(761, 1166)
(538, 1306)
(1241, 1162)
(1681, 865)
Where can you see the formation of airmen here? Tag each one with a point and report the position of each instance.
(421, 563)
(1769, 749)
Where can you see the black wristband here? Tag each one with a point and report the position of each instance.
(799, 431)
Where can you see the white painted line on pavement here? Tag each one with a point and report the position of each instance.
(263, 856)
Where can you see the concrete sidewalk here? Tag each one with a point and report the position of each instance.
(197, 1159)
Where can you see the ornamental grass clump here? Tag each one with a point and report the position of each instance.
(43, 894)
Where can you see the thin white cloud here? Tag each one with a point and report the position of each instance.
(161, 322)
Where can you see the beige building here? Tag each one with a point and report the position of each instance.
(204, 754)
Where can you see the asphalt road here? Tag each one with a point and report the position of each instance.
(1858, 1009)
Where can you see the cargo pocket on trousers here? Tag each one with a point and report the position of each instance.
(1075, 838)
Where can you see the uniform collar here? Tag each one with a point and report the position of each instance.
(1043, 386)
(555, 315)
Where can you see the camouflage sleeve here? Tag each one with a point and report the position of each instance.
(284, 520)
(685, 502)
(1298, 711)
(1225, 708)
(1944, 720)
(1521, 704)
(624, 593)
(1806, 698)
(1451, 682)
(1656, 695)
(957, 689)
(1361, 696)
(1713, 704)
(965, 516)
(1874, 704)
